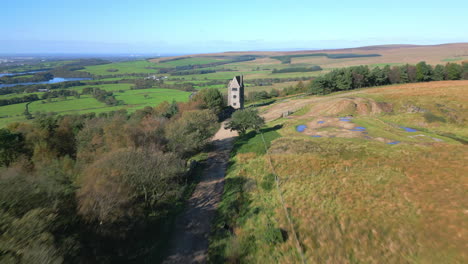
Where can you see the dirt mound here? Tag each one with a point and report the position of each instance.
(334, 127)
(349, 106)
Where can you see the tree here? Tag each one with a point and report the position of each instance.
(412, 73)
(12, 145)
(125, 186)
(191, 131)
(404, 78)
(245, 119)
(210, 99)
(453, 71)
(300, 86)
(465, 70)
(360, 75)
(26, 112)
(344, 79)
(394, 75)
(274, 93)
(439, 73)
(27, 239)
(377, 77)
(423, 72)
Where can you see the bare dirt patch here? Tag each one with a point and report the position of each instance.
(348, 105)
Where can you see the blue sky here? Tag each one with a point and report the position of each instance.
(182, 26)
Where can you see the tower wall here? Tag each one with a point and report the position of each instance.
(236, 92)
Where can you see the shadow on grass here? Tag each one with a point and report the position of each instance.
(252, 141)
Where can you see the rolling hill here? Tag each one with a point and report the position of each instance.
(375, 175)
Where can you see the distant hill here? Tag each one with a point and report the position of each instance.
(391, 54)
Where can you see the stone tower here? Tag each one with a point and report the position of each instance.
(236, 92)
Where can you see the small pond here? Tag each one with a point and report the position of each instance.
(301, 128)
(408, 129)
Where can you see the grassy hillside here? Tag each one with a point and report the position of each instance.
(132, 100)
(387, 184)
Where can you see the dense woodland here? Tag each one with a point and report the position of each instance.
(99, 189)
(297, 69)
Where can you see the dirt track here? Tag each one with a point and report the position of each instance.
(189, 243)
(273, 112)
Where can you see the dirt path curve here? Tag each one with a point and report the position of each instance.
(275, 111)
(189, 243)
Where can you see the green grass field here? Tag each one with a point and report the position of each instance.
(133, 100)
(152, 97)
(107, 87)
(122, 68)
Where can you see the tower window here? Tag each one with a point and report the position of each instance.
(234, 104)
(234, 89)
(234, 96)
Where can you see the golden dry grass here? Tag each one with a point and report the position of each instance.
(354, 200)
(359, 203)
(398, 54)
(455, 91)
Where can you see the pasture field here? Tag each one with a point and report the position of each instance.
(133, 100)
(107, 87)
(189, 61)
(387, 184)
(151, 97)
(129, 67)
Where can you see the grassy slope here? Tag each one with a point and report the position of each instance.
(133, 99)
(353, 200)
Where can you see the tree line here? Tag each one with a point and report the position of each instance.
(362, 76)
(99, 189)
(202, 71)
(297, 69)
(286, 59)
(103, 96)
(300, 87)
